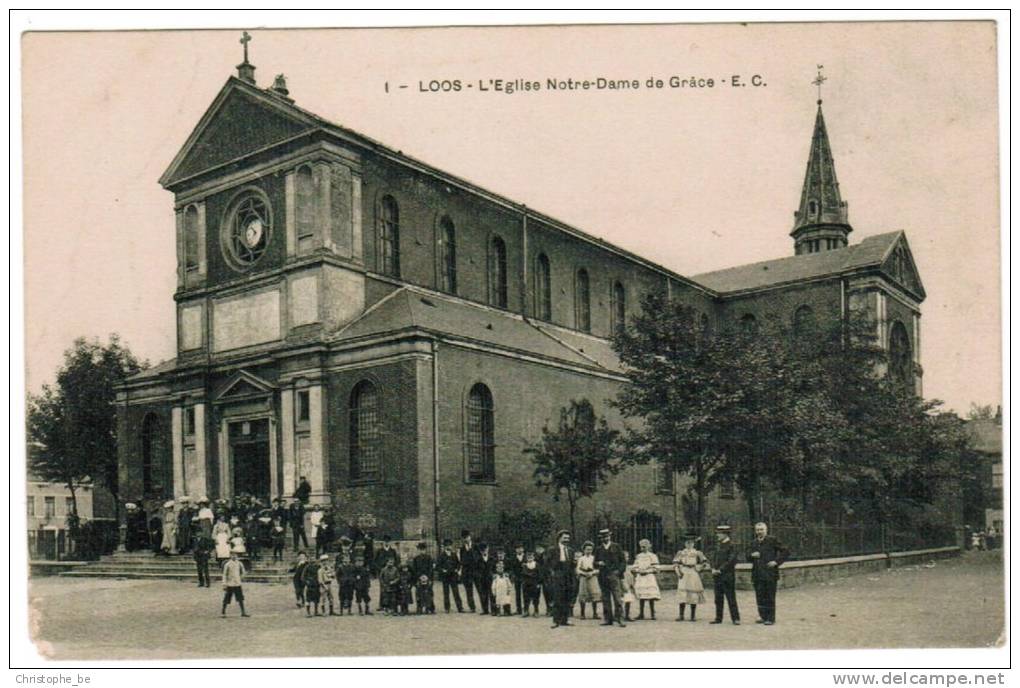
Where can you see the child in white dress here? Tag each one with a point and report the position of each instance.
(502, 591)
(687, 563)
(646, 586)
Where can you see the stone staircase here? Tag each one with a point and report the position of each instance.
(145, 565)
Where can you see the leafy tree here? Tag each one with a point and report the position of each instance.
(738, 404)
(572, 460)
(981, 412)
(72, 428)
(528, 527)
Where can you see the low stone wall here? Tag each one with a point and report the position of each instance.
(794, 573)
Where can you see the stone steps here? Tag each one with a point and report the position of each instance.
(87, 572)
(145, 565)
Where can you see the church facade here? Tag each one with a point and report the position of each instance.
(398, 335)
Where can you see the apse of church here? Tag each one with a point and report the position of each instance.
(395, 334)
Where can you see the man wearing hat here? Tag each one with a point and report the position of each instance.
(448, 570)
(610, 563)
(183, 525)
(724, 575)
(468, 557)
(560, 573)
(296, 521)
(766, 555)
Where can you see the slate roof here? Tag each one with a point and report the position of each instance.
(872, 251)
(155, 370)
(408, 309)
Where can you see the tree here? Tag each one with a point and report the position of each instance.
(72, 429)
(732, 404)
(576, 457)
(981, 412)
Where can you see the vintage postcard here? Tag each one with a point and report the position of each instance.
(512, 340)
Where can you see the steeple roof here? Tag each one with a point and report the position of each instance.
(820, 200)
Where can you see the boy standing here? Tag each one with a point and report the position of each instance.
(233, 574)
(311, 581)
(529, 583)
(326, 584)
(347, 578)
(515, 565)
(362, 581)
(278, 537)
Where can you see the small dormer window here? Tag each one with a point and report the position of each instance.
(812, 208)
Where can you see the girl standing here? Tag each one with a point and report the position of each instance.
(628, 587)
(221, 536)
(646, 587)
(689, 588)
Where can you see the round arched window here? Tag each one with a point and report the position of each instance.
(247, 229)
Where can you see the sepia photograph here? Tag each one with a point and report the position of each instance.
(398, 342)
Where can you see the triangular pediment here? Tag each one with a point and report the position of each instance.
(244, 384)
(899, 266)
(241, 120)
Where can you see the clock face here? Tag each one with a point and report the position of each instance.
(253, 232)
(248, 231)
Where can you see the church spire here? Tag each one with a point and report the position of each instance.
(820, 223)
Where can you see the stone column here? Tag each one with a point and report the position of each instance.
(318, 477)
(197, 482)
(226, 484)
(177, 439)
(287, 438)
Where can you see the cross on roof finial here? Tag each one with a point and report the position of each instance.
(819, 80)
(245, 39)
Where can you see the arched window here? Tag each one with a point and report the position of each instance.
(901, 360)
(191, 236)
(153, 456)
(618, 307)
(497, 274)
(803, 321)
(481, 444)
(365, 433)
(812, 208)
(304, 203)
(543, 288)
(749, 324)
(582, 301)
(447, 255)
(389, 237)
(704, 325)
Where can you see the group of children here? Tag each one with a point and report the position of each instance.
(314, 581)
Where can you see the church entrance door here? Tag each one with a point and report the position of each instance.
(249, 451)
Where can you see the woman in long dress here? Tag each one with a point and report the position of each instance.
(587, 581)
(221, 534)
(646, 587)
(689, 588)
(169, 544)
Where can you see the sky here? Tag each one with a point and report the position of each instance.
(695, 179)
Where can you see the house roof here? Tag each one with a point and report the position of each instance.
(871, 252)
(408, 309)
(155, 371)
(986, 436)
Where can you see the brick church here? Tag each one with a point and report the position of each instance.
(397, 334)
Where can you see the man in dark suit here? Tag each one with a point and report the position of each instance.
(724, 575)
(468, 557)
(611, 563)
(486, 567)
(514, 565)
(448, 570)
(766, 554)
(296, 521)
(560, 574)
